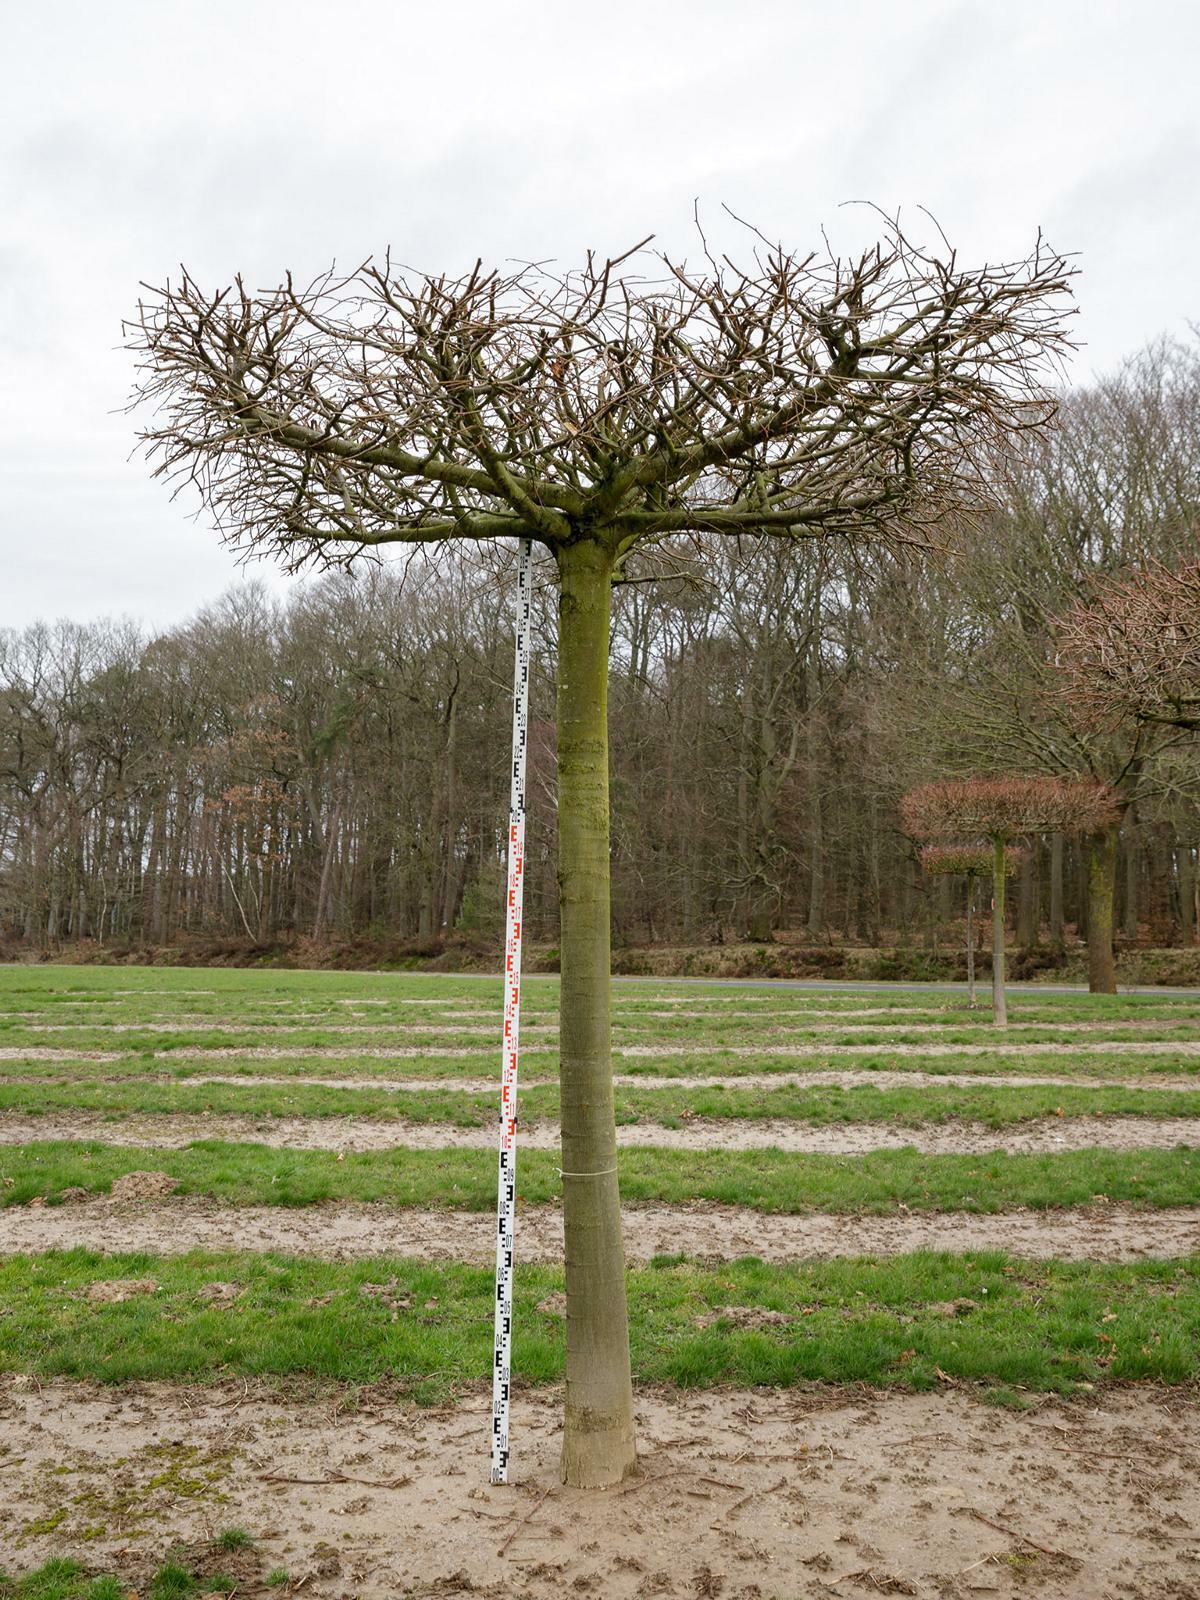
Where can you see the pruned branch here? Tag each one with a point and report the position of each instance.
(969, 860)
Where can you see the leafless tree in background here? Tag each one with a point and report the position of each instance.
(972, 862)
(1132, 653)
(1115, 487)
(1001, 810)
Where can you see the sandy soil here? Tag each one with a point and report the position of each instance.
(1188, 1047)
(348, 1232)
(483, 1025)
(742, 1495)
(303, 1024)
(699, 1133)
(835, 1078)
(1184, 1048)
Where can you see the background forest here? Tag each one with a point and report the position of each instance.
(336, 765)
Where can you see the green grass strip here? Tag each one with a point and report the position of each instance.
(702, 1035)
(218, 991)
(894, 1322)
(878, 1182)
(995, 1106)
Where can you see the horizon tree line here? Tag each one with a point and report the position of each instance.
(264, 770)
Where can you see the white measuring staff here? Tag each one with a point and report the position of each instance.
(506, 1198)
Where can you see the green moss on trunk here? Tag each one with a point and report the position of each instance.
(1101, 893)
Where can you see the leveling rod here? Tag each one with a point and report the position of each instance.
(506, 1198)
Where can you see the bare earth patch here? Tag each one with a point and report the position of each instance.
(344, 1232)
(143, 1186)
(114, 1291)
(768, 1045)
(743, 1495)
(699, 1133)
(834, 1078)
(481, 1023)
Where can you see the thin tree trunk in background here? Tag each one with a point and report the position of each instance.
(816, 832)
(999, 1001)
(971, 941)
(1131, 918)
(1079, 858)
(451, 879)
(816, 857)
(326, 884)
(1186, 871)
(598, 1441)
(1101, 855)
(1057, 931)
(1026, 904)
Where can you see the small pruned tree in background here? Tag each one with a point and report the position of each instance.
(1002, 810)
(1131, 654)
(604, 413)
(972, 862)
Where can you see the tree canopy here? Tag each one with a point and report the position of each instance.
(1132, 653)
(629, 399)
(1006, 808)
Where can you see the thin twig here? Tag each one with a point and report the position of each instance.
(750, 1494)
(526, 1519)
(336, 1477)
(1012, 1533)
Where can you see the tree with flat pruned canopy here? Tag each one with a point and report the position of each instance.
(972, 862)
(604, 412)
(1001, 810)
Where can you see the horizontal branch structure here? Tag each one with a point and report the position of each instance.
(799, 395)
(968, 860)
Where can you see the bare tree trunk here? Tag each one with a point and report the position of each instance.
(999, 1002)
(1056, 889)
(598, 1443)
(452, 874)
(971, 941)
(1130, 921)
(1186, 869)
(1026, 903)
(816, 857)
(1101, 895)
(326, 884)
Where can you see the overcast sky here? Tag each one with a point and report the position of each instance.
(258, 135)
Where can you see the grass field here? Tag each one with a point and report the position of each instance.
(146, 1046)
(344, 1100)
